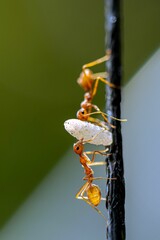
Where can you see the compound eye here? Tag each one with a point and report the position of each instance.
(78, 148)
(82, 114)
(83, 111)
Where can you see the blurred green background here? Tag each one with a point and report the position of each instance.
(43, 45)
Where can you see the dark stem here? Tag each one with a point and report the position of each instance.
(115, 198)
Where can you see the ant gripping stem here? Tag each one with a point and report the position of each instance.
(89, 192)
(88, 78)
(89, 82)
(86, 111)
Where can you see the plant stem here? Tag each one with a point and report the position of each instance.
(115, 198)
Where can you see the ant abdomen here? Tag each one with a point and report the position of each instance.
(94, 194)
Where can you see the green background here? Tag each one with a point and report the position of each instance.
(43, 45)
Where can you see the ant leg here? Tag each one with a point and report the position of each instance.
(81, 113)
(104, 116)
(97, 164)
(102, 178)
(97, 121)
(94, 207)
(97, 152)
(80, 195)
(100, 74)
(96, 62)
(99, 78)
(98, 111)
(102, 152)
(99, 178)
(82, 190)
(84, 114)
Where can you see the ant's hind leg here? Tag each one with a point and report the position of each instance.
(97, 164)
(99, 78)
(96, 120)
(82, 190)
(80, 195)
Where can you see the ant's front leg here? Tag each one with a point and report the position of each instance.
(97, 61)
(102, 152)
(99, 78)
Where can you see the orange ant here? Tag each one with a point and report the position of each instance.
(93, 193)
(87, 77)
(85, 112)
(86, 81)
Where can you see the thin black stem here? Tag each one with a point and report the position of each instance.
(115, 198)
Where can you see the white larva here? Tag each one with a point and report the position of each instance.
(86, 130)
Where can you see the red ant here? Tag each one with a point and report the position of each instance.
(87, 77)
(86, 81)
(86, 111)
(93, 193)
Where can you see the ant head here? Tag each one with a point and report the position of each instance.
(85, 79)
(82, 114)
(78, 147)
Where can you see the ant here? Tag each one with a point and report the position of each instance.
(86, 81)
(92, 191)
(87, 77)
(85, 112)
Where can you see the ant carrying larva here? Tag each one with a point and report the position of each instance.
(89, 192)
